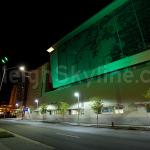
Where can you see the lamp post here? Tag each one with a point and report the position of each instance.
(24, 82)
(21, 68)
(37, 102)
(17, 105)
(4, 61)
(4, 71)
(76, 94)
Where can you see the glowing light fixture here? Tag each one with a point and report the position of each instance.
(17, 105)
(22, 68)
(6, 58)
(37, 102)
(3, 61)
(76, 94)
(50, 49)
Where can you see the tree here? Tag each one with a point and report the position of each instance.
(63, 107)
(147, 96)
(96, 106)
(43, 110)
(31, 109)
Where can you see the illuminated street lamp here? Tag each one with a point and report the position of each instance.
(37, 102)
(21, 68)
(76, 94)
(17, 109)
(17, 105)
(4, 60)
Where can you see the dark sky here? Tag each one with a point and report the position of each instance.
(28, 29)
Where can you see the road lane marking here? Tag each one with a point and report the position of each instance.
(73, 136)
(30, 140)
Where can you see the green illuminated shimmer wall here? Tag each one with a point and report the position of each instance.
(115, 38)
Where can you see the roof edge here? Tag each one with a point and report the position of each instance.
(105, 11)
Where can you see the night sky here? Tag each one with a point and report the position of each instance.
(28, 29)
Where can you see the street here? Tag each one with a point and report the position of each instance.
(65, 137)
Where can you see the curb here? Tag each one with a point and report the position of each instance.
(116, 127)
(145, 128)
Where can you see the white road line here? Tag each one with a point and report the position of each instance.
(30, 140)
(68, 135)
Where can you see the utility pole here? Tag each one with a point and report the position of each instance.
(4, 72)
(4, 60)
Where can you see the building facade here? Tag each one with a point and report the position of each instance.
(108, 57)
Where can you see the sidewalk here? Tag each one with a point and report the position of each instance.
(127, 127)
(115, 126)
(19, 142)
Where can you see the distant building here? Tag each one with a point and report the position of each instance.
(13, 96)
(39, 83)
(108, 56)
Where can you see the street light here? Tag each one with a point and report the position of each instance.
(17, 105)
(4, 60)
(21, 68)
(37, 102)
(25, 74)
(76, 94)
(17, 109)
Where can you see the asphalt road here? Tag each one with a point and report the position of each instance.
(66, 137)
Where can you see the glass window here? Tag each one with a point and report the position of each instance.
(109, 109)
(119, 109)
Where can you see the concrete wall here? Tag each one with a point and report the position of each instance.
(125, 87)
(131, 117)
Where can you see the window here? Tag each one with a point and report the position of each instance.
(82, 111)
(109, 109)
(53, 112)
(50, 112)
(119, 109)
(69, 111)
(75, 111)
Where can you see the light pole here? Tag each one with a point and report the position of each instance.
(17, 105)
(16, 109)
(76, 94)
(25, 74)
(21, 68)
(4, 71)
(4, 60)
(37, 102)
